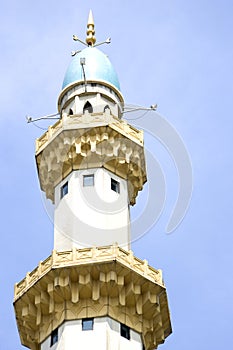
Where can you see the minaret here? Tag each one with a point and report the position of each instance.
(91, 291)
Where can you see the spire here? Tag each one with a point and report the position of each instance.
(90, 39)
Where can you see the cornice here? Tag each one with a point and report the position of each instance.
(90, 141)
(92, 282)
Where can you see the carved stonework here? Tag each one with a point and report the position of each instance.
(92, 282)
(71, 144)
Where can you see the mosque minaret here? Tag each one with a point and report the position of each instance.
(91, 292)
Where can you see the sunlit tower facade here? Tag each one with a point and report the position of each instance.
(91, 292)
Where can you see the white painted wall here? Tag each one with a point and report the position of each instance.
(91, 216)
(104, 336)
(99, 95)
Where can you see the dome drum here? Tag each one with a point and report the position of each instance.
(99, 94)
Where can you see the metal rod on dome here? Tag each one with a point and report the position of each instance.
(73, 53)
(82, 62)
(107, 41)
(50, 116)
(152, 107)
(75, 38)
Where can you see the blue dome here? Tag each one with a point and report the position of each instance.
(97, 67)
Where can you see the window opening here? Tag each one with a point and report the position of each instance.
(88, 180)
(115, 186)
(71, 112)
(125, 331)
(64, 189)
(87, 324)
(54, 337)
(88, 107)
(106, 107)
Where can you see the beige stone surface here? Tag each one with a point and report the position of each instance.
(90, 141)
(92, 282)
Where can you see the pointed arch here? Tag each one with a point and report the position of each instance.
(88, 107)
(71, 111)
(106, 107)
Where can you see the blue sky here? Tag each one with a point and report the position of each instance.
(178, 54)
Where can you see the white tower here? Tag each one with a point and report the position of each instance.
(91, 291)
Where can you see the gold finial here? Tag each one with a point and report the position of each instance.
(90, 39)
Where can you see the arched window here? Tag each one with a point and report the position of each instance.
(71, 112)
(106, 107)
(88, 107)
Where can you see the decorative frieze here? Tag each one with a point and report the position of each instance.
(70, 145)
(92, 282)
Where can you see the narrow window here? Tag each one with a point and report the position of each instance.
(88, 180)
(88, 107)
(64, 189)
(106, 107)
(71, 112)
(87, 324)
(54, 337)
(125, 331)
(115, 186)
